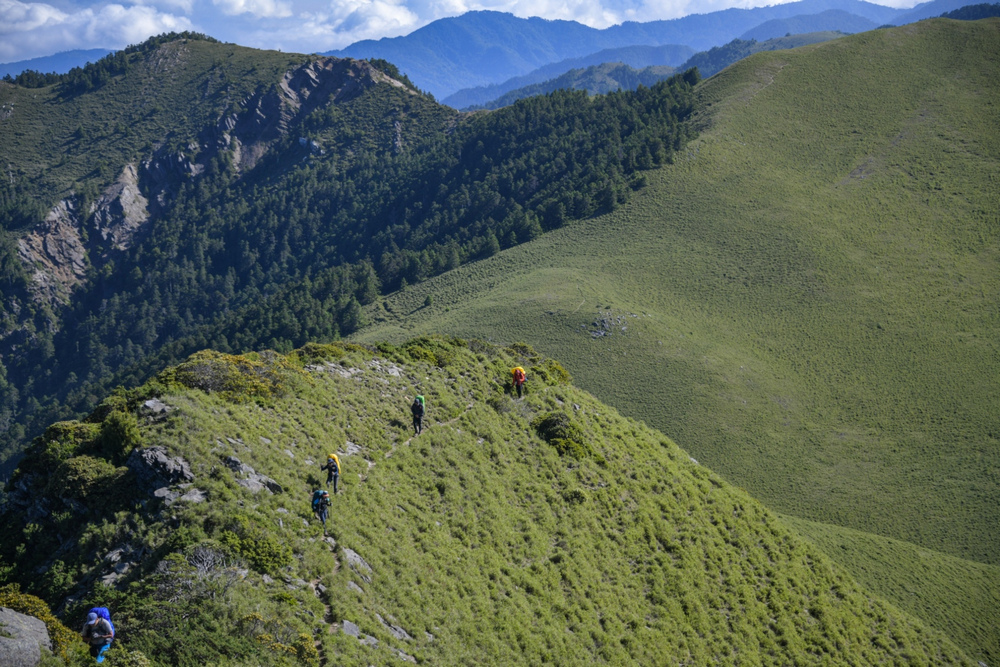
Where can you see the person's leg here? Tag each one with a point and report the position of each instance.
(335, 478)
(100, 652)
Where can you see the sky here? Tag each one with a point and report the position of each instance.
(33, 29)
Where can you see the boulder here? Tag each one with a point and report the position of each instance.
(22, 639)
(154, 469)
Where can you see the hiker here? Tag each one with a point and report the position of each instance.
(98, 632)
(417, 409)
(321, 505)
(518, 380)
(332, 469)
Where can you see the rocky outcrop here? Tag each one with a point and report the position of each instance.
(57, 251)
(21, 639)
(249, 479)
(120, 213)
(154, 469)
(54, 253)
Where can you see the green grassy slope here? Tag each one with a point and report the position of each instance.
(810, 294)
(477, 539)
(948, 591)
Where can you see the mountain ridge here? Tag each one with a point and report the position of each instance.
(511, 530)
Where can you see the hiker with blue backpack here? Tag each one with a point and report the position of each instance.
(98, 631)
(321, 505)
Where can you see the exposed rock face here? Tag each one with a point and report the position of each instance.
(153, 469)
(58, 252)
(22, 639)
(54, 253)
(253, 481)
(271, 115)
(120, 212)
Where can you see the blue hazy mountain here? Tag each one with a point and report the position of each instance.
(60, 63)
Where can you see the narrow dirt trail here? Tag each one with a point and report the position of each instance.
(331, 627)
(410, 439)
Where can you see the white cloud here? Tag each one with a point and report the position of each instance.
(29, 30)
(186, 6)
(23, 16)
(258, 8)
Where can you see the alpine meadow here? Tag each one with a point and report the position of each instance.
(758, 314)
(806, 301)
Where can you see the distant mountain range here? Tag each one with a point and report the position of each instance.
(499, 52)
(60, 63)
(484, 48)
(638, 57)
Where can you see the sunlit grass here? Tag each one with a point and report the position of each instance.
(814, 286)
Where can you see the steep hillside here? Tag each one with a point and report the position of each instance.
(807, 300)
(546, 529)
(215, 195)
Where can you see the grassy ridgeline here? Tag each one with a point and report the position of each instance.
(824, 340)
(808, 297)
(480, 540)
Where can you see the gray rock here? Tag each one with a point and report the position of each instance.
(154, 469)
(156, 406)
(354, 587)
(194, 496)
(358, 564)
(237, 466)
(23, 638)
(404, 656)
(350, 629)
(394, 630)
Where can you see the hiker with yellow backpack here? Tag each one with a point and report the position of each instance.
(332, 469)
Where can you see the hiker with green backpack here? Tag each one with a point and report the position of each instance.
(418, 408)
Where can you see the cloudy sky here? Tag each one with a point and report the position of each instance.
(32, 29)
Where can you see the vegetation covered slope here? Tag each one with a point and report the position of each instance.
(270, 197)
(807, 300)
(545, 529)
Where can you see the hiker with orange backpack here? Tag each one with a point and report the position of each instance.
(518, 379)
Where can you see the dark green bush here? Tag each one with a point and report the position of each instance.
(559, 430)
(119, 436)
(551, 372)
(264, 551)
(93, 481)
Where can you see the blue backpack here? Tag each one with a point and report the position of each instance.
(317, 495)
(102, 612)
